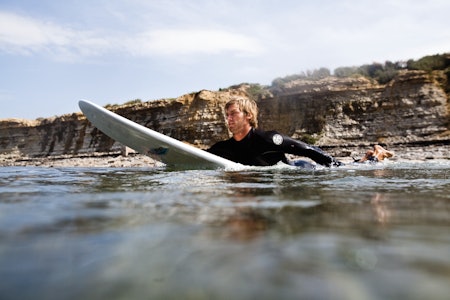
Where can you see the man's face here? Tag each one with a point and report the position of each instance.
(236, 119)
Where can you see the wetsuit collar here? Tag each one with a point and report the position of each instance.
(241, 137)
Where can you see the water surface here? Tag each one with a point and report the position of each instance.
(358, 232)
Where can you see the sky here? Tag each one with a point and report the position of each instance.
(54, 53)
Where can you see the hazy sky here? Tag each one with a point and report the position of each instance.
(53, 53)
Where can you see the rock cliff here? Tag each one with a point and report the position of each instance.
(334, 113)
(413, 108)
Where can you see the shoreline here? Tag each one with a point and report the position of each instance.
(131, 160)
(97, 160)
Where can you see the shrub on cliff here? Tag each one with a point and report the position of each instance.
(430, 63)
(308, 75)
(343, 72)
(255, 91)
(382, 73)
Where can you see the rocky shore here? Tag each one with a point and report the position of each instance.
(135, 160)
(96, 160)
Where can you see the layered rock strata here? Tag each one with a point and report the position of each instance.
(336, 114)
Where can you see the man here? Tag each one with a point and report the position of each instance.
(251, 146)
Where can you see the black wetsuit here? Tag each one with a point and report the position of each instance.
(266, 148)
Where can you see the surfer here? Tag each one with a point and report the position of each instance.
(376, 155)
(252, 146)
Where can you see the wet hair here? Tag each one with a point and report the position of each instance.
(247, 106)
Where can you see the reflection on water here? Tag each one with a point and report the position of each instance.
(359, 232)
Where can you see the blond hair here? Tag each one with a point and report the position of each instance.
(247, 106)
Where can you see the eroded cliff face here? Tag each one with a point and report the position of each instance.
(413, 108)
(332, 112)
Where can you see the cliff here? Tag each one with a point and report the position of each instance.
(411, 109)
(334, 113)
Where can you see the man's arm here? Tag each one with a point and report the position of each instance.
(292, 146)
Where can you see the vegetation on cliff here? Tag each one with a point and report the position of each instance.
(381, 72)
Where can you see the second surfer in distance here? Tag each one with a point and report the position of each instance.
(378, 154)
(252, 146)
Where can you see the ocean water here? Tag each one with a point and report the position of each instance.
(357, 232)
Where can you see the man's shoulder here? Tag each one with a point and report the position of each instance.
(265, 134)
(222, 143)
(223, 149)
(269, 136)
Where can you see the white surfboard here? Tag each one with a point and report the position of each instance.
(161, 147)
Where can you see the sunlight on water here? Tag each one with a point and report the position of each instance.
(357, 232)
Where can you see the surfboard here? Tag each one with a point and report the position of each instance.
(168, 150)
